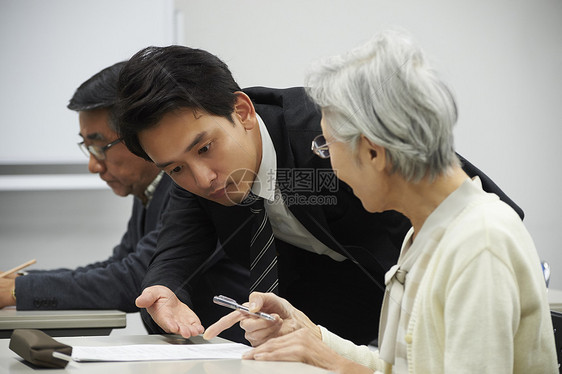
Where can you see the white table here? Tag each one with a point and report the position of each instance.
(13, 364)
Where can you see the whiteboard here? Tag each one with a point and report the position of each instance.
(48, 49)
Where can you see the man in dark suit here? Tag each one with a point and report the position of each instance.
(181, 108)
(116, 282)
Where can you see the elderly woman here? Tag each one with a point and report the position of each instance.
(467, 294)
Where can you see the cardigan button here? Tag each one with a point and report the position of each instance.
(408, 338)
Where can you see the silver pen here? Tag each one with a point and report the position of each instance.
(232, 304)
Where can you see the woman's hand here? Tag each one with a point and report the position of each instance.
(304, 346)
(287, 319)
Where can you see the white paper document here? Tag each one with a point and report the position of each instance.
(157, 352)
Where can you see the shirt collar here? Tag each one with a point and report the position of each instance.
(149, 191)
(264, 184)
(451, 207)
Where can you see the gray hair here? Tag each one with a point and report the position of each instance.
(99, 92)
(386, 91)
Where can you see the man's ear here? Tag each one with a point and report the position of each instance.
(244, 110)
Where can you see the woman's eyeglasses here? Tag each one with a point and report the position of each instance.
(320, 147)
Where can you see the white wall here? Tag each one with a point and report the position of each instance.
(48, 49)
(61, 229)
(502, 58)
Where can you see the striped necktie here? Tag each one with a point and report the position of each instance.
(263, 257)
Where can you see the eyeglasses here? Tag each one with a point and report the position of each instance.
(320, 147)
(97, 151)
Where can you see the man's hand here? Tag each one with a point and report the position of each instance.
(6, 286)
(258, 330)
(169, 312)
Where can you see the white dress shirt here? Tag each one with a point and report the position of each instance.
(284, 224)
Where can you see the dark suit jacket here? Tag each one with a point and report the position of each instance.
(116, 282)
(343, 296)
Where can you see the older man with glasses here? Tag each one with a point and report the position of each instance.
(115, 283)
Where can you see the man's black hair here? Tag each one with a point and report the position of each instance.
(160, 80)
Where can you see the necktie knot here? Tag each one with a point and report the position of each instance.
(257, 207)
(251, 200)
(256, 203)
